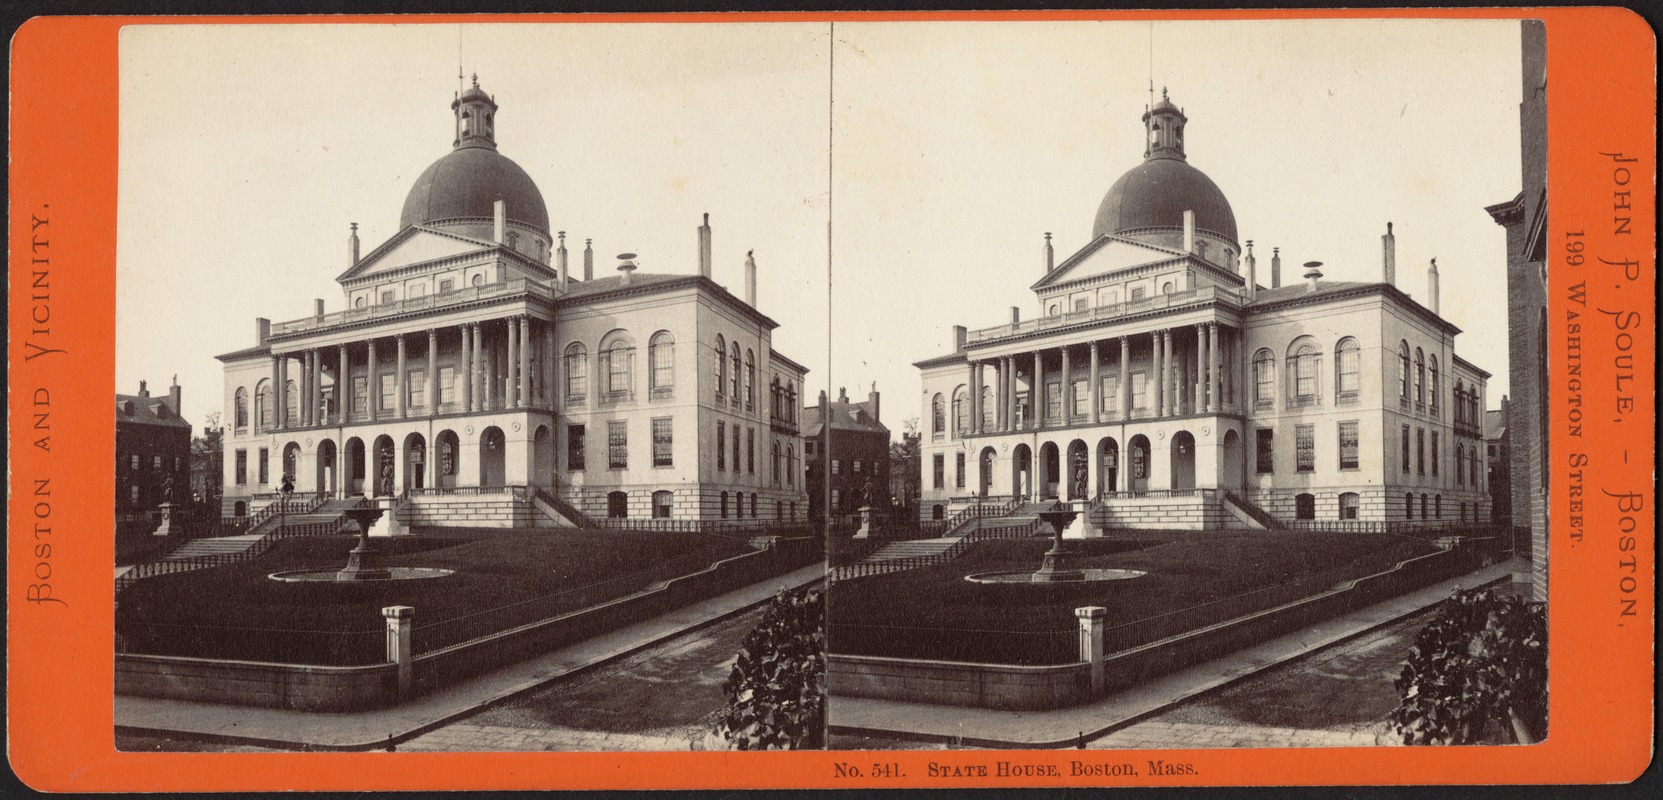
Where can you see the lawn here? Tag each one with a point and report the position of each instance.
(1193, 580)
(502, 579)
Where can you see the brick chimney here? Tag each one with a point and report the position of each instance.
(1050, 255)
(1275, 267)
(1388, 247)
(843, 395)
(262, 331)
(560, 263)
(588, 259)
(872, 400)
(1189, 231)
(1016, 314)
(352, 246)
(176, 397)
(1432, 286)
(499, 221)
(704, 247)
(1252, 273)
(750, 279)
(144, 389)
(960, 334)
(317, 307)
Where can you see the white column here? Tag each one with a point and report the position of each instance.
(1157, 374)
(398, 385)
(525, 363)
(511, 385)
(1203, 398)
(432, 381)
(1215, 369)
(372, 401)
(343, 397)
(1036, 407)
(1067, 404)
(1125, 380)
(1093, 391)
(465, 374)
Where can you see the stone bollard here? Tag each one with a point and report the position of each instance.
(1091, 643)
(400, 621)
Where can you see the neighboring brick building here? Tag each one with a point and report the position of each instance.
(859, 456)
(1525, 218)
(1495, 445)
(152, 447)
(904, 460)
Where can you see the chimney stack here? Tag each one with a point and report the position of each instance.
(1313, 273)
(750, 279)
(1050, 255)
(960, 334)
(262, 331)
(872, 400)
(1252, 273)
(1388, 244)
(317, 307)
(1016, 314)
(1189, 231)
(843, 395)
(1275, 267)
(560, 263)
(704, 246)
(1432, 286)
(352, 246)
(588, 259)
(499, 221)
(626, 268)
(176, 396)
(144, 391)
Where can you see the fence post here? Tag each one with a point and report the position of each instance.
(400, 621)
(1091, 642)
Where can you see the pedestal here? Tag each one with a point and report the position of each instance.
(1081, 527)
(166, 528)
(386, 525)
(1056, 566)
(865, 523)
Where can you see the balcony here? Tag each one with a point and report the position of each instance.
(427, 302)
(1107, 312)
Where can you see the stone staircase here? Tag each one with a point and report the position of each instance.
(329, 512)
(912, 548)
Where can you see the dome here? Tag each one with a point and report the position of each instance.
(467, 182)
(1156, 193)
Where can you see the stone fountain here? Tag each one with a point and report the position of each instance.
(1058, 567)
(360, 564)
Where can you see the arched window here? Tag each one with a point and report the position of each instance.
(618, 365)
(1264, 377)
(750, 380)
(1304, 363)
(988, 407)
(239, 413)
(1423, 506)
(1420, 379)
(577, 373)
(1305, 506)
(1403, 370)
(776, 462)
(790, 465)
(734, 357)
(1348, 359)
(753, 505)
(721, 365)
(1348, 505)
(724, 505)
(938, 415)
(1460, 457)
(1460, 402)
(961, 411)
(1437, 506)
(661, 504)
(617, 505)
(661, 362)
(1472, 477)
(1432, 399)
(291, 404)
(1408, 506)
(263, 408)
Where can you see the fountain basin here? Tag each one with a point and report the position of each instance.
(1088, 575)
(332, 575)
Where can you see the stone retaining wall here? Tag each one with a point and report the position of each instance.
(255, 683)
(469, 511)
(1170, 513)
(1003, 686)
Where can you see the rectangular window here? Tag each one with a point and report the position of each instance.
(447, 285)
(1140, 391)
(1138, 294)
(1435, 453)
(447, 385)
(1265, 455)
(721, 446)
(133, 462)
(1082, 398)
(265, 466)
(1305, 448)
(958, 470)
(1053, 399)
(617, 444)
(417, 389)
(855, 465)
(1405, 450)
(1420, 451)
(388, 396)
(736, 449)
(837, 467)
(661, 444)
(156, 463)
(574, 448)
(940, 471)
(577, 377)
(360, 394)
(241, 473)
(1109, 394)
(837, 500)
(1348, 444)
(387, 297)
(750, 450)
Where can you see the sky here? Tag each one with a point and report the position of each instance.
(246, 152)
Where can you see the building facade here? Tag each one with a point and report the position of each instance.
(469, 359)
(1161, 379)
(1525, 218)
(859, 460)
(152, 450)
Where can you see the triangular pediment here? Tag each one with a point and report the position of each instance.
(1105, 255)
(413, 245)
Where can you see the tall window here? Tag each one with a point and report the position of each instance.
(1108, 394)
(961, 412)
(734, 378)
(940, 463)
(1303, 364)
(291, 401)
(938, 416)
(1434, 454)
(661, 443)
(661, 504)
(1265, 454)
(239, 414)
(1305, 448)
(721, 365)
(263, 407)
(447, 385)
(791, 471)
(1460, 456)
(1420, 378)
(988, 408)
(265, 466)
(736, 449)
(1472, 477)
(1348, 505)
(1420, 451)
(240, 475)
(1348, 444)
(1053, 399)
(417, 389)
(661, 362)
(775, 475)
(618, 355)
(750, 381)
(958, 469)
(388, 393)
(1405, 450)
(1432, 400)
(1140, 391)
(574, 447)
(577, 373)
(750, 450)
(1264, 378)
(361, 394)
(1080, 403)
(1403, 370)
(721, 446)
(1348, 360)
(617, 444)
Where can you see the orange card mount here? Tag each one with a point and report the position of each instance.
(1596, 327)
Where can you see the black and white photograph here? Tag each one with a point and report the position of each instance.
(871, 385)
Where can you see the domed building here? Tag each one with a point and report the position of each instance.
(473, 378)
(1161, 385)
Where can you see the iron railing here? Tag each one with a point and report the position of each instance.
(865, 568)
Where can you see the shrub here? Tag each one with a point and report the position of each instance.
(1477, 674)
(776, 691)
